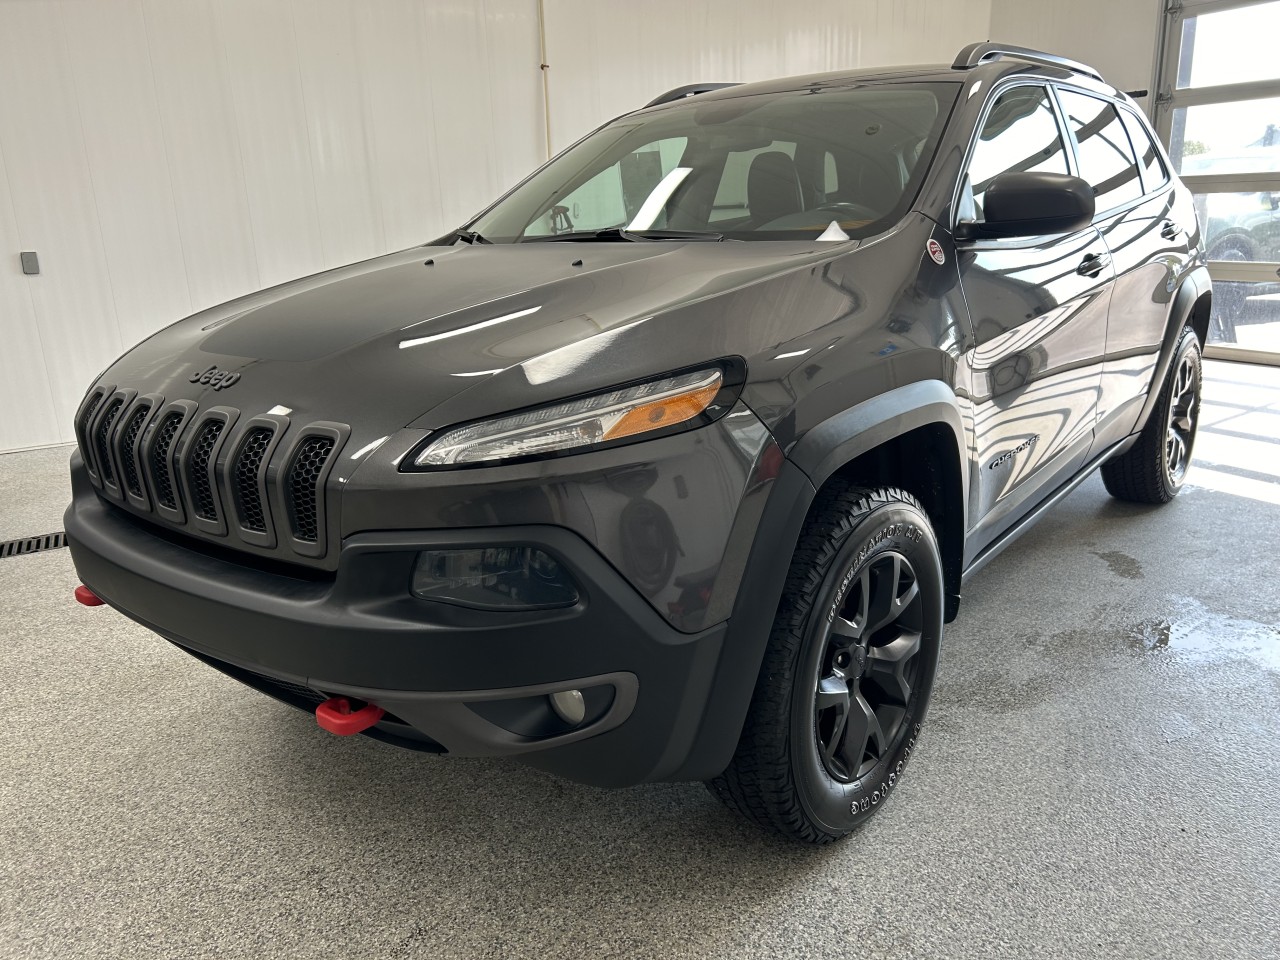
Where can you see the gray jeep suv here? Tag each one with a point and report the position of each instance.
(671, 464)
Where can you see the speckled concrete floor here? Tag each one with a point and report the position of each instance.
(1100, 776)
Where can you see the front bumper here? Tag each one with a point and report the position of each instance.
(462, 681)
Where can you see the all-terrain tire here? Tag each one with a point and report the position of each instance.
(786, 775)
(1154, 468)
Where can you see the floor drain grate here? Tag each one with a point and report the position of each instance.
(15, 548)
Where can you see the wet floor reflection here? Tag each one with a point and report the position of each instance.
(1194, 634)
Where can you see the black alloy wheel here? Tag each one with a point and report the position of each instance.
(1184, 409)
(848, 670)
(868, 672)
(1154, 468)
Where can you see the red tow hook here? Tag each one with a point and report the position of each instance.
(336, 716)
(88, 597)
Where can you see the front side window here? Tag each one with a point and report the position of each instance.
(1102, 148)
(766, 167)
(1019, 135)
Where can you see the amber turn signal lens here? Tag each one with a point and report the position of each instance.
(664, 413)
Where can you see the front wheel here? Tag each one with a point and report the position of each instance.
(848, 671)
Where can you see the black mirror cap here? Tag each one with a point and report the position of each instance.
(1031, 205)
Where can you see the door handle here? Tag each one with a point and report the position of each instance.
(1093, 264)
(1170, 230)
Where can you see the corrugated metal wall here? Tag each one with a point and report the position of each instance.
(165, 155)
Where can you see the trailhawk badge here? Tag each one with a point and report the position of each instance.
(213, 377)
(935, 252)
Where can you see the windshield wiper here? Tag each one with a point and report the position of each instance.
(470, 236)
(615, 234)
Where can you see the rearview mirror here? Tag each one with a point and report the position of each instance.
(1031, 205)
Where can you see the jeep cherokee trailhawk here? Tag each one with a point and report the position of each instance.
(670, 464)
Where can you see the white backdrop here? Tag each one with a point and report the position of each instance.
(165, 155)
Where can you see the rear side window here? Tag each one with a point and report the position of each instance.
(1102, 147)
(1019, 135)
(1154, 174)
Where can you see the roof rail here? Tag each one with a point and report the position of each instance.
(978, 53)
(688, 90)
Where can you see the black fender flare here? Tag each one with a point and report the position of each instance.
(810, 462)
(1194, 285)
(827, 447)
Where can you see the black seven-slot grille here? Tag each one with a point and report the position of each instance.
(102, 434)
(165, 483)
(248, 469)
(128, 455)
(304, 475)
(203, 497)
(259, 481)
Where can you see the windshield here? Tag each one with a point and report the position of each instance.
(780, 166)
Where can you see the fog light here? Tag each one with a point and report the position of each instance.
(494, 578)
(569, 706)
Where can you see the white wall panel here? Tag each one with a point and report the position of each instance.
(516, 134)
(486, 98)
(1116, 36)
(107, 49)
(404, 171)
(334, 99)
(259, 42)
(24, 382)
(52, 196)
(202, 146)
(608, 58)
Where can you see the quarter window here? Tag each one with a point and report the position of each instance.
(1102, 147)
(1019, 135)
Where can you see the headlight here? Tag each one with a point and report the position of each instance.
(688, 399)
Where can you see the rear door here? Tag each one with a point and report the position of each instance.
(1038, 306)
(1139, 219)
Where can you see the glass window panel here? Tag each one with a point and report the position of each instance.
(1217, 138)
(1247, 315)
(1106, 157)
(613, 195)
(1020, 134)
(874, 133)
(1154, 173)
(731, 194)
(1240, 227)
(1233, 46)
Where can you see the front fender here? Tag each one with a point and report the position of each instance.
(836, 441)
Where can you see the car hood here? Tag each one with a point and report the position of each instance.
(405, 339)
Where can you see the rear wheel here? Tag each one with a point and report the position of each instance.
(1154, 468)
(848, 672)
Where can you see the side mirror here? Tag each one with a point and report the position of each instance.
(1031, 205)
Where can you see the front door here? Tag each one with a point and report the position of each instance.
(1038, 308)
